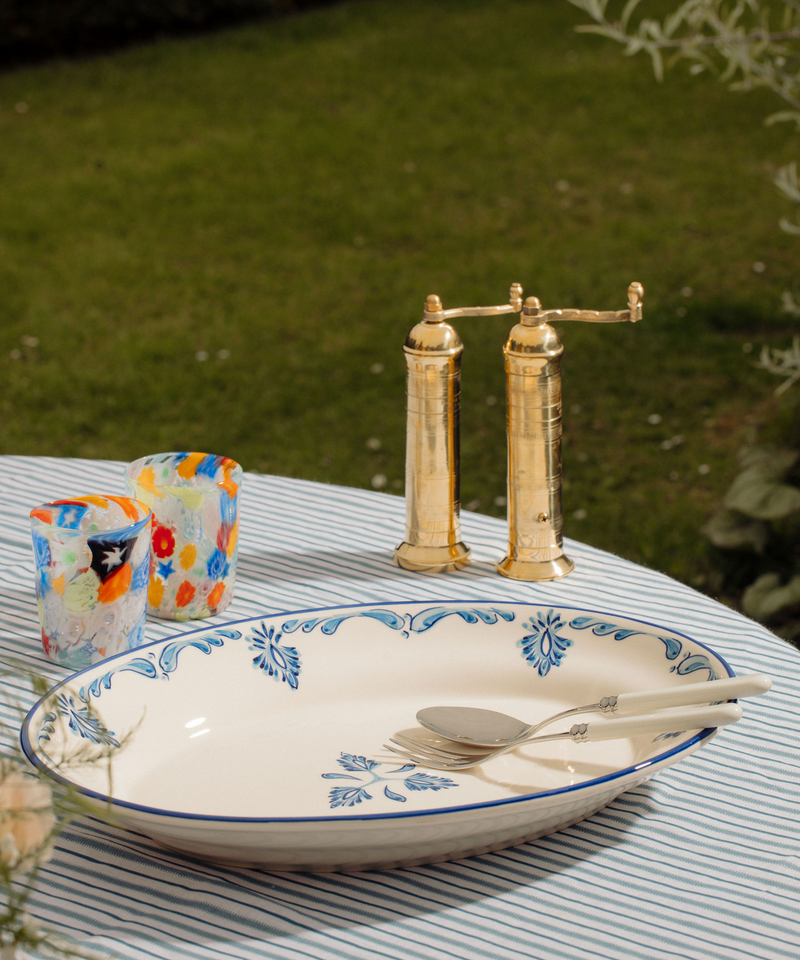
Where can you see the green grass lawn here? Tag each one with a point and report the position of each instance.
(281, 197)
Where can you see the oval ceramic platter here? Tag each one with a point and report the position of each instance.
(260, 743)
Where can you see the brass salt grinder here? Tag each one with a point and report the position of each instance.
(533, 382)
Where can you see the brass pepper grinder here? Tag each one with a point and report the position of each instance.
(433, 460)
(533, 378)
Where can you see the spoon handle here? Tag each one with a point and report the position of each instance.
(692, 718)
(728, 688)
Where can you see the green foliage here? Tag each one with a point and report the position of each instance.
(750, 44)
(759, 491)
(279, 198)
(759, 524)
(767, 598)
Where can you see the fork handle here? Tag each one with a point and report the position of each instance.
(692, 718)
(728, 688)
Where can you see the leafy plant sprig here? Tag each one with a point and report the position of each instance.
(748, 44)
(34, 811)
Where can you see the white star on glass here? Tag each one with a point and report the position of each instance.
(112, 558)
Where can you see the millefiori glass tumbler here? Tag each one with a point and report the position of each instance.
(195, 502)
(92, 562)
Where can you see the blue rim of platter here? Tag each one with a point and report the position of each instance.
(33, 757)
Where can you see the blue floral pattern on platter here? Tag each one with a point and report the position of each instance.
(406, 623)
(82, 722)
(368, 775)
(282, 663)
(544, 647)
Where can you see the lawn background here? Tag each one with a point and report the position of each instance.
(280, 197)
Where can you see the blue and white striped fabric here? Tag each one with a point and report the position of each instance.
(703, 861)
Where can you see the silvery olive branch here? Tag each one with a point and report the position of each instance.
(783, 363)
(752, 42)
(748, 43)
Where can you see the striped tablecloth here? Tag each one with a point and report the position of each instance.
(703, 861)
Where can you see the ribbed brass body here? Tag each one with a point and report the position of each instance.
(533, 378)
(533, 384)
(533, 375)
(433, 376)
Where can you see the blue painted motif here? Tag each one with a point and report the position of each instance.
(544, 647)
(82, 722)
(282, 663)
(368, 776)
(144, 667)
(673, 647)
(167, 661)
(165, 570)
(47, 727)
(601, 629)
(407, 623)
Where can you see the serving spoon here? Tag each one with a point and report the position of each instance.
(663, 721)
(488, 728)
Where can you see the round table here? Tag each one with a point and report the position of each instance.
(703, 861)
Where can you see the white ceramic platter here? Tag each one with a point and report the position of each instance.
(260, 743)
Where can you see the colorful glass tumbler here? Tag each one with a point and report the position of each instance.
(195, 502)
(92, 562)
